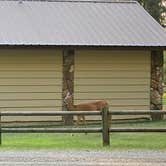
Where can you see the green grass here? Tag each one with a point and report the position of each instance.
(90, 141)
(51, 141)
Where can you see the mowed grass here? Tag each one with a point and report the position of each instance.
(89, 141)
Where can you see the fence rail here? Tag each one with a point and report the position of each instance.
(72, 113)
(48, 113)
(51, 130)
(78, 130)
(104, 129)
(138, 130)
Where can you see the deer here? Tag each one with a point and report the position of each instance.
(87, 106)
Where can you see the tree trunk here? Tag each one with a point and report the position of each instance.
(156, 83)
(68, 80)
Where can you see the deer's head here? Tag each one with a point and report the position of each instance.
(68, 99)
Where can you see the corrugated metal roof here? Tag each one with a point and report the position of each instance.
(93, 23)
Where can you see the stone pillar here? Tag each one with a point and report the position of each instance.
(68, 80)
(156, 83)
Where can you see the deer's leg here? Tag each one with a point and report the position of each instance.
(78, 119)
(84, 122)
(110, 120)
(83, 119)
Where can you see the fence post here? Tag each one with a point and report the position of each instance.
(105, 127)
(0, 130)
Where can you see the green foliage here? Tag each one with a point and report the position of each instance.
(165, 68)
(155, 8)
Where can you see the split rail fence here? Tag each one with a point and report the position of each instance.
(105, 128)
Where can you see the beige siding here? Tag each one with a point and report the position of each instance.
(120, 77)
(30, 79)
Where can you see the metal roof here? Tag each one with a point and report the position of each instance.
(78, 23)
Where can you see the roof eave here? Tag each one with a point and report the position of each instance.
(115, 47)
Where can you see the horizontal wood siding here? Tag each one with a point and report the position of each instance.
(120, 77)
(30, 79)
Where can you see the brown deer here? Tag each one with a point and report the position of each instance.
(87, 106)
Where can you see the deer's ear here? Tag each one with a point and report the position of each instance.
(68, 95)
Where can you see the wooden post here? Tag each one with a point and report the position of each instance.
(105, 127)
(0, 131)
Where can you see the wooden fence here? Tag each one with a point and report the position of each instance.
(104, 129)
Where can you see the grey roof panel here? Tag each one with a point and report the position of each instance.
(78, 23)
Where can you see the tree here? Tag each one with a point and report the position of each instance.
(155, 8)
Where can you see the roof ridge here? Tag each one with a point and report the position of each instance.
(79, 1)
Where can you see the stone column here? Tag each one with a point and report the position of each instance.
(68, 80)
(156, 83)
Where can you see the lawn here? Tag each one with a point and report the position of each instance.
(89, 141)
